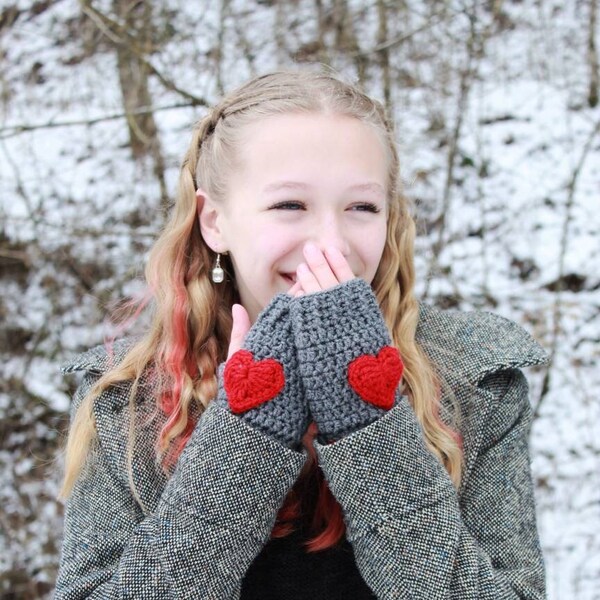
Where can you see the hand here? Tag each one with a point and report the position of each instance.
(241, 322)
(350, 370)
(321, 271)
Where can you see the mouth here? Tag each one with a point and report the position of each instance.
(289, 277)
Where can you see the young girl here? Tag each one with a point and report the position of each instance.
(294, 424)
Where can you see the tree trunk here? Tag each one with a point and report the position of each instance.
(134, 72)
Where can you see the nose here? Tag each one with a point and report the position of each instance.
(330, 233)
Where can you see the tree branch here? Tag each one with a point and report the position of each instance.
(119, 36)
(13, 130)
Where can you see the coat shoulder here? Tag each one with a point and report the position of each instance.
(475, 343)
(99, 358)
(97, 361)
(113, 417)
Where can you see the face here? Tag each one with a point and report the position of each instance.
(303, 178)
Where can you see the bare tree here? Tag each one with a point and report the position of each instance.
(132, 35)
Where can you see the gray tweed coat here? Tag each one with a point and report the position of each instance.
(412, 534)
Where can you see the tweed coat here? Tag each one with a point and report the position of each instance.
(413, 535)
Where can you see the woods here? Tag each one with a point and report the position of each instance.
(496, 111)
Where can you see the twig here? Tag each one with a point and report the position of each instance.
(13, 130)
(466, 78)
(14, 256)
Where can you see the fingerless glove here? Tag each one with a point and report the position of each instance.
(261, 382)
(350, 372)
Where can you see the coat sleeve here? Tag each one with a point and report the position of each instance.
(214, 516)
(413, 536)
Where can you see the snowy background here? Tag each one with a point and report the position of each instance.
(498, 123)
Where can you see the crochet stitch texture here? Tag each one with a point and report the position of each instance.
(334, 329)
(413, 535)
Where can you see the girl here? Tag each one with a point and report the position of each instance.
(294, 424)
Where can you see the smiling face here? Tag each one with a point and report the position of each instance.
(302, 178)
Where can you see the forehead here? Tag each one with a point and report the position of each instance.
(304, 124)
(307, 143)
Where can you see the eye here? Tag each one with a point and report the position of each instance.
(288, 205)
(366, 207)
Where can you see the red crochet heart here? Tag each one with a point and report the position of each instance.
(249, 383)
(375, 378)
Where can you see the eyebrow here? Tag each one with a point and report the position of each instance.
(297, 185)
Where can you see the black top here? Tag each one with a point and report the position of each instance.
(284, 570)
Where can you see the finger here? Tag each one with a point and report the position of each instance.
(318, 264)
(307, 279)
(338, 263)
(241, 326)
(294, 289)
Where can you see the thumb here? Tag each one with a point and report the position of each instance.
(241, 326)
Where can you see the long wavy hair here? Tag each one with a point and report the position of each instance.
(191, 316)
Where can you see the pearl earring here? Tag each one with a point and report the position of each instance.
(217, 274)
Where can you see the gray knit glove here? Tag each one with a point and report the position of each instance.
(350, 373)
(261, 383)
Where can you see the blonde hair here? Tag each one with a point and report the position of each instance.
(191, 323)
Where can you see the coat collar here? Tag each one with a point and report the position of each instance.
(472, 344)
(100, 358)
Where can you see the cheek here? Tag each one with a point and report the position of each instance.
(374, 252)
(276, 244)
(382, 242)
(376, 242)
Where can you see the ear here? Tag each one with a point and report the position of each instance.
(209, 217)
